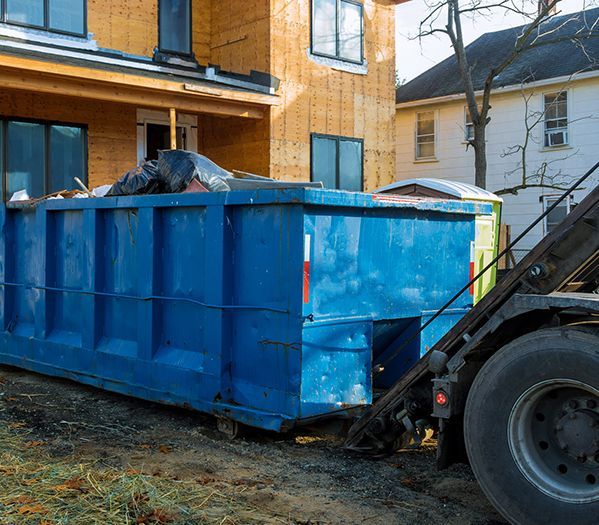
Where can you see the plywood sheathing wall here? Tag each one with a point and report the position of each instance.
(319, 99)
(240, 35)
(235, 143)
(239, 42)
(132, 26)
(111, 128)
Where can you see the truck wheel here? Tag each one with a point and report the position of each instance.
(531, 427)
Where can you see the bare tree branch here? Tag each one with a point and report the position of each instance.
(537, 32)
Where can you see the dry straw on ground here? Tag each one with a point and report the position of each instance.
(38, 489)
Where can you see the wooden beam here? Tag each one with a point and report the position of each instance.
(142, 81)
(141, 97)
(173, 126)
(35, 75)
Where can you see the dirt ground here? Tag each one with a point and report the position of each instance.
(305, 477)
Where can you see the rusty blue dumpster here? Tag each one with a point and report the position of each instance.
(267, 307)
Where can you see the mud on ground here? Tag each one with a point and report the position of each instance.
(303, 477)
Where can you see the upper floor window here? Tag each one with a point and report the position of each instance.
(556, 119)
(60, 16)
(425, 135)
(41, 157)
(337, 162)
(338, 29)
(175, 26)
(468, 126)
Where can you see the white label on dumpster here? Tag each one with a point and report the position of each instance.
(307, 243)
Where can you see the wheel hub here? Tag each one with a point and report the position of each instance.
(553, 434)
(577, 431)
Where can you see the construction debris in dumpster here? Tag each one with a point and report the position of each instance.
(175, 171)
(142, 180)
(177, 168)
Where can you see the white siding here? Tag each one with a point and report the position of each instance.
(506, 129)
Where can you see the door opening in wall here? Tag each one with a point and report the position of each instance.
(158, 138)
(153, 133)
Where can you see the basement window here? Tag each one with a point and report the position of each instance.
(174, 26)
(338, 30)
(41, 157)
(67, 17)
(337, 162)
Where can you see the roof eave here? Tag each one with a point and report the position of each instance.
(499, 90)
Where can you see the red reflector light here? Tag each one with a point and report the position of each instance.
(441, 398)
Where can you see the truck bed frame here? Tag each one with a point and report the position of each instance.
(547, 283)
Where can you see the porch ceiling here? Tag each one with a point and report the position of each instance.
(85, 82)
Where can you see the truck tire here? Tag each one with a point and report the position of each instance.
(531, 427)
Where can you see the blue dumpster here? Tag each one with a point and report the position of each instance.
(267, 307)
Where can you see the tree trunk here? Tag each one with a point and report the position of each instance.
(480, 156)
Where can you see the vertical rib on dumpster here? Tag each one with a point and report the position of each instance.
(89, 313)
(42, 267)
(146, 283)
(217, 291)
(3, 289)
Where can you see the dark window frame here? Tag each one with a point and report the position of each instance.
(162, 49)
(337, 56)
(338, 139)
(4, 120)
(46, 26)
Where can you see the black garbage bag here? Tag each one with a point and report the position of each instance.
(142, 180)
(177, 168)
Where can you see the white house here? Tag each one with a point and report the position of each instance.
(553, 90)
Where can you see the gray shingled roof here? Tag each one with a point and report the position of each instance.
(571, 46)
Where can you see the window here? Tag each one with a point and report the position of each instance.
(337, 162)
(338, 29)
(468, 126)
(41, 158)
(425, 135)
(558, 214)
(60, 16)
(556, 119)
(175, 26)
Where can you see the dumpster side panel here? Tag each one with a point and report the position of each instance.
(116, 279)
(65, 269)
(336, 366)
(114, 297)
(266, 354)
(387, 264)
(23, 266)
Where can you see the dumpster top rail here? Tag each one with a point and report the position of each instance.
(310, 196)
